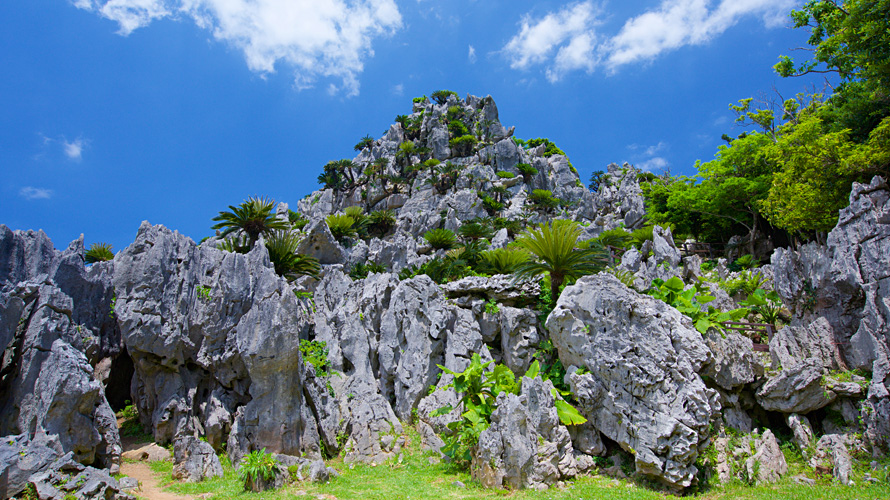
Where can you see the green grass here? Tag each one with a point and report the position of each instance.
(416, 478)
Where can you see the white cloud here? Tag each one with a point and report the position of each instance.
(568, 40)
(648, 158)
(398, 90)
(537, 39)
(471, 56)
(676, 23)
(33, 193)
(74, 149)
(653, 164)
(328, 39)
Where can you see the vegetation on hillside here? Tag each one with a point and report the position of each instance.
(793, 171)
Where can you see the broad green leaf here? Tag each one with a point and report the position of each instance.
(533, 370)
(567, 413)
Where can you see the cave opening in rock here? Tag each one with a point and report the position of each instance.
(120, 376)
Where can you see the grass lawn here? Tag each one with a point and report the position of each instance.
(416, 478)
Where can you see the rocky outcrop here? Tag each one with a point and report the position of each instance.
(211, 332)
(641, 386)
(55, 322)
(796, 390)
(194, 460)
(767, 464)
(840, 296)
(525, 446)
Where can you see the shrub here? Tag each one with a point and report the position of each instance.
(618, 238)
(418, 100)
(282, 247)
(341, 226)
(766, 304)
(381, 221)
(441, 96)
(746, 262)
(689, 302)
(365, 142)
(474, 231)
(642, 235)
(457, 129)
(257, 469)
(297, 221)
(513, 226)
(454, 113)
(527, 171)
(596, 180)
(235, 244)
(504, 260)
(361, 270)
(98, 252)
(543, 199)
(550, 149)
(315, 353)
(440, 238)
(463, 145)
(479, 390)
(503, 174)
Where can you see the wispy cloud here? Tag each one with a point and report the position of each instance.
(33, 193)
(569, 39)
(73, 150)
(398, 90)
(327, 39)
(471, 55)
(650, 158)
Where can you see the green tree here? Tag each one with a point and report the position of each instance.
(554, 248)
(254, 217)
(366, 142)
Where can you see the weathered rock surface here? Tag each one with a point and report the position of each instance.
(845, 285)
(642, 387)
(55, 321)
(194, 460)
(20, 458)
(525, 446)
(796, 390)
(199, 357)
(734, 362)
(767, 465)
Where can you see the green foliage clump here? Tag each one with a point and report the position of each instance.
(361, 270)
(462, 145)
(543, 199)
(282, 247)
(315, 352)
(768, 305)
(504, 260)
(597, 178)
(297, 221)
(365, 142)
(441, 238)
(527, 171)
(618, 238)
(689, 302)
(550, 148)
(418, 100)
(479, 390)
(554, 248)
(98, 252)
(441, 96)
(746, 282)
(342, 226)
(745, 262)
(474, 231)
(503, 174)
(253, 217)
(457, 129)
(381, 222)
(257, 467)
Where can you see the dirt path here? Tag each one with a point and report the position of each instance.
(151, 490)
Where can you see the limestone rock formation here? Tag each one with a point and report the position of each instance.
(641, 387)
(194, 460)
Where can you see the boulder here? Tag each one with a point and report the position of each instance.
(21, 458)
(798, 389)
(767, 465)
(194, 460)
(735, 363)
(526, 446)
(501, 288)
(801, 432)
(321, 244)
(641, 387)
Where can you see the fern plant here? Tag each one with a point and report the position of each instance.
(282, 247)
(504, 260)
(98, 252)
(257, 470)
(341, 226)
(440, 238)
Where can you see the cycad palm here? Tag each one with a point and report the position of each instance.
(554, 246)
(254, 217)
(282, 247)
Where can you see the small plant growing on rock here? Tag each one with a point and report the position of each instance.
(381, 222)
(441, 96)
(462, 145)
(258, 470)
(527, 171)
(203, 292)
(504, 260)
(503, 174)
(690, 301)
(491, 307)
(341, 226)
(543, 199)
(98, 252)
(440, 238)
(479, 390)
(315, 352)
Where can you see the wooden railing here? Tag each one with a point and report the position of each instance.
(710, 250)
(759, 332)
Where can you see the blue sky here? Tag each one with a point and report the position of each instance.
(119, 111)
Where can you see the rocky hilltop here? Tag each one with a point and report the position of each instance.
(211, 343)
